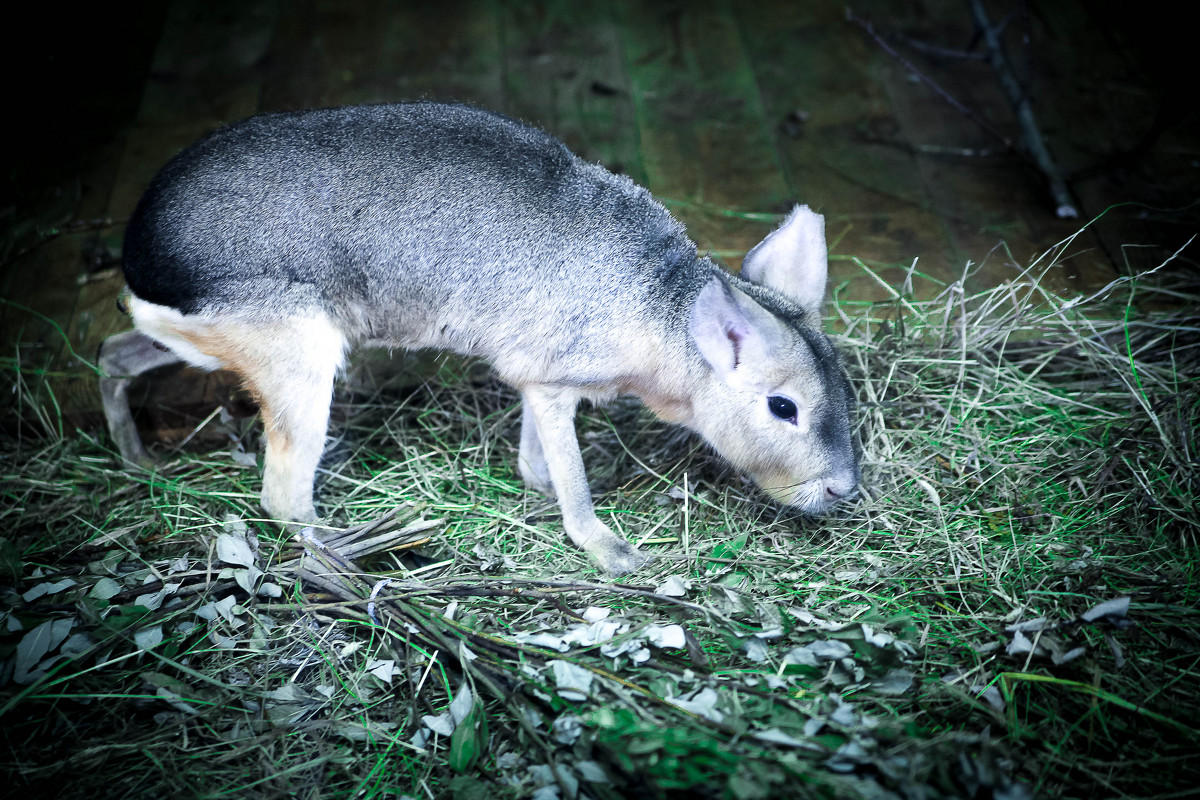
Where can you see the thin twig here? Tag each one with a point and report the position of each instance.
(1031, 135)
(930, 82)
(1034, 147)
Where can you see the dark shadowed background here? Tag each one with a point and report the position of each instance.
(728, 112)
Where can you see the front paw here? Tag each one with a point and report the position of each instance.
(618, 557)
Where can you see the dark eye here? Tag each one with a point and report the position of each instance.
(783, 408)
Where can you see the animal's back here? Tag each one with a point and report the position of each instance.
(420, 223)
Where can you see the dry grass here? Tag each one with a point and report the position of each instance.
(1025, 459)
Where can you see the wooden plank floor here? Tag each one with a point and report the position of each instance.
(729, 112)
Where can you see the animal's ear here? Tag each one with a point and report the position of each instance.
(793, 259)
(737, 337)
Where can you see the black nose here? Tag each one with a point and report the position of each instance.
(840, 486)
(832, 494)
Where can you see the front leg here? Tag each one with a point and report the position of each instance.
(531, 459)
(552, 410)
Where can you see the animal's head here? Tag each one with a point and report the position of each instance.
(777, 403)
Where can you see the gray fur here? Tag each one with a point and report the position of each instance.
(431, 225)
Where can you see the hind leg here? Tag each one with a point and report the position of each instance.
(123, 357)
(291, 373)
(289, 366)
(295, 412)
